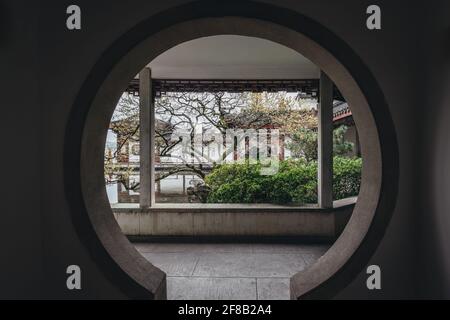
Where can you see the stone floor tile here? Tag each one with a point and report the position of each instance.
(173, 264)
(273, 288)
(249, 265)
(186, 288)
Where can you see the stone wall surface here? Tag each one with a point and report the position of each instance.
(41, 233)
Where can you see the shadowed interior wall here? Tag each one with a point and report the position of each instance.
(433, 272)
(21, 230)
(76, 52)
(65, 60)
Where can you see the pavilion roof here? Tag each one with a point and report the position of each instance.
(306, 87)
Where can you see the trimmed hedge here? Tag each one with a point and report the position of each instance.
(294, 183)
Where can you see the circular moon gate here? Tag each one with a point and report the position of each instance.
(93, 108)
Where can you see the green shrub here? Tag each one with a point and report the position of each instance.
(346, 177)
(294, 183)
(237, 183)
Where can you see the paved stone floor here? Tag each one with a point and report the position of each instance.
(229, 271)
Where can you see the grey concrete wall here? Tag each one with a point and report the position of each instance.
(351, 135)
(21, 262)
(433, 270)
(394, 55)
(75, 53)
(307, 223)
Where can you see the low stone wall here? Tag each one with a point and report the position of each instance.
(200, 220)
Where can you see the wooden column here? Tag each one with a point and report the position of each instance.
(146, 139)
(325, 142)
